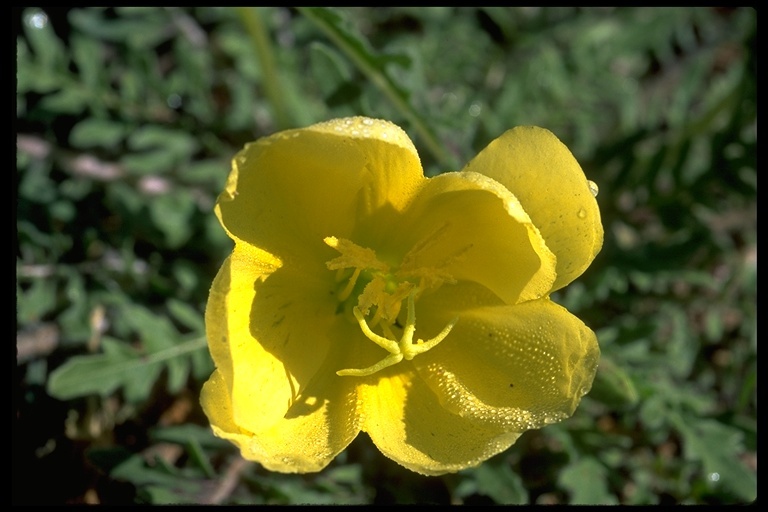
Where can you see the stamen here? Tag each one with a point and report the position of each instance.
(353, 256)
(377, 317)
(347, 291)
(433, 274)
(404, 349)
(386, 291)
(387, 331)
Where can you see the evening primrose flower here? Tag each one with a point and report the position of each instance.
(363, 296)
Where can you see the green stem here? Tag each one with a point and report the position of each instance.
(251, 18)
(174, 351)
(384, 84)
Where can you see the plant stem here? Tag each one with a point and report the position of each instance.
(251, 18)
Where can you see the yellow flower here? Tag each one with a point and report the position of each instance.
(362, 296)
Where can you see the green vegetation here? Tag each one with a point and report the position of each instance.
(127, 119)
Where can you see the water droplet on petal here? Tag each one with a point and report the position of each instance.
(593, 187)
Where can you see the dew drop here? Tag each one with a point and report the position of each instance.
(173, 101)
(593, 187)
(37, 20)
(582, 213)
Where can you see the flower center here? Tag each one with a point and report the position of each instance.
(373, 284)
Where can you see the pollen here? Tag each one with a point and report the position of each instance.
(353, 256)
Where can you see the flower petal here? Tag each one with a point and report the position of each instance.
(468, 227)
(265, 326)
(407, 423)
(314, 431)
(543, 174)
(289, 191)
(514, 367)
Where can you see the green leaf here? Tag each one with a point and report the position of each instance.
(373, 66)
(718, 446)
(171, 214)
(499, 482)
(331, 19)
(136, 471)
(682, 343)
(163, 494)
(613, 385)
(188, 278)
(120, 366)
(71, 100)
(157, 334)
(177, 142)
(30, 76)
(75, 320)
(36, 185)
(98, 374)
(88, 56)
(125, 199)
(37, 301)
(186, 315)
(93, 132)
(158, 149)
(328, 67)
(212, 171)
(183, 434)
(144, 30)
(159, 161)
(46, 45)
(586, 480)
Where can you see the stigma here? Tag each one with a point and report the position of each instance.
(405, 348)
(372, 284)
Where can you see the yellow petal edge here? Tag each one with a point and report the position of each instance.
(543, 174)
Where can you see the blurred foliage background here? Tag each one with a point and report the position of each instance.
(127, 118)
